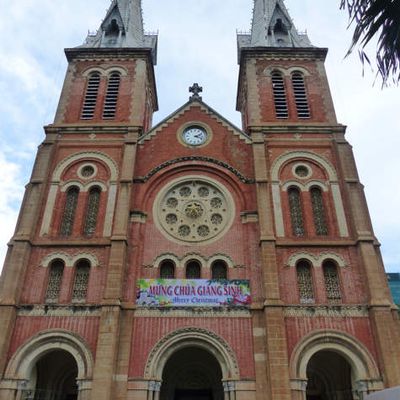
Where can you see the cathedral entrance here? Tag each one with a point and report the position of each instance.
(56, 374)
(192, 374)
(329, 377)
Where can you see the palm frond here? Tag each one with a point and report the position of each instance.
(380, 19)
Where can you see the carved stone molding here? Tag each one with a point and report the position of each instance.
(194, 312)
(59, 311)
(338, 311)
(219, 163)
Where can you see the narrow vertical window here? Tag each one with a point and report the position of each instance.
(305, 282)
(92, 91)
(111, 99)
(332, 284)
(280, 100)
(300, 95)
(219, 270)
(167, 270)
(296, 212)
(68, 218)
(54, 283)
(321, 227)
(92, 211)
(193, 270)
(81, 281)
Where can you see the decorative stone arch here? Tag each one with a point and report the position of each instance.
(66, 258)
(318, 184)
(302, 70)
(276, 68)
(69, 260)
(55, 182)
(191, 337)
(92, 184)
(69, 184)
(364, 368)
(60, 168)
(333, 184)
(166, 256)
(117, 69)
(193, 257)
(21, 364)
(316, 260)
(220, 257)
(91, 70)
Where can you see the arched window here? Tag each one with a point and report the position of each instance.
(68, 218)
(300, 95)
(219, 270)
(280, 100)
(332, 284)
(111, 99)
(54, 282)
(305, 282)
(92, 211)
(296, 211)
(318, 208)
(167, 270)
(193, 270)
(81, 281)
(92, 91)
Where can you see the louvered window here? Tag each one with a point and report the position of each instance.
(92, 211)
(318, 208)
(81, 281)
(305, 282)
(54, 283)
(300, 95)
(296, 211)
(167, 270)
(92, 91)
(219, 270)
(68, 218)
(280, 100)
(111, 100)
(332, 284)
(193, 270)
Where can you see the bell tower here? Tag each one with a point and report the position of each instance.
(316, 236)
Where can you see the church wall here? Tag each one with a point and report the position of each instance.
(236, 331)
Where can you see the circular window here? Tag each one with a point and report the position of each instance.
(302, 171)
(87, 171)
(194, 210)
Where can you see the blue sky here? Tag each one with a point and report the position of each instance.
(196, 44)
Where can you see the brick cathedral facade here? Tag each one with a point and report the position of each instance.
(115, 205)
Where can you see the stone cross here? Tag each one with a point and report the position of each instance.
(195, 89)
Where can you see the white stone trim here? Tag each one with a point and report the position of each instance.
(24, 359)
(316, 260)
(278, 215)
(109, 217)
(191, 337)
(48, 212)
(340, 214)
(64, 164)
(69, 260)
(357, 355)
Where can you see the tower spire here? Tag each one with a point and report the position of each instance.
(272, 27)
(122, 27)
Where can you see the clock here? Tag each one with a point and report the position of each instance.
(194, 135)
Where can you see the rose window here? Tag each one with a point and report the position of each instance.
(194, 210)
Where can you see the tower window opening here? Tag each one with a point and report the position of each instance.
(296, 211)
(167, 270)
(92, 211)
(219, 270)
(193, 270)
(111, 99)
(81, 281)
(68, 218)
(92, 91)
(300, 95)
(280, 99)
(332, 284)
(280, 27)
(305, 282)
(54, 282)
(319, 214)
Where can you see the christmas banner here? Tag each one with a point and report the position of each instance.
(193, 293)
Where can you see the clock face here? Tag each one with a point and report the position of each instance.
(194, 135)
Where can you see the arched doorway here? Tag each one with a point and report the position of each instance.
(55, 374)
(329, 377)
(192, 373)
